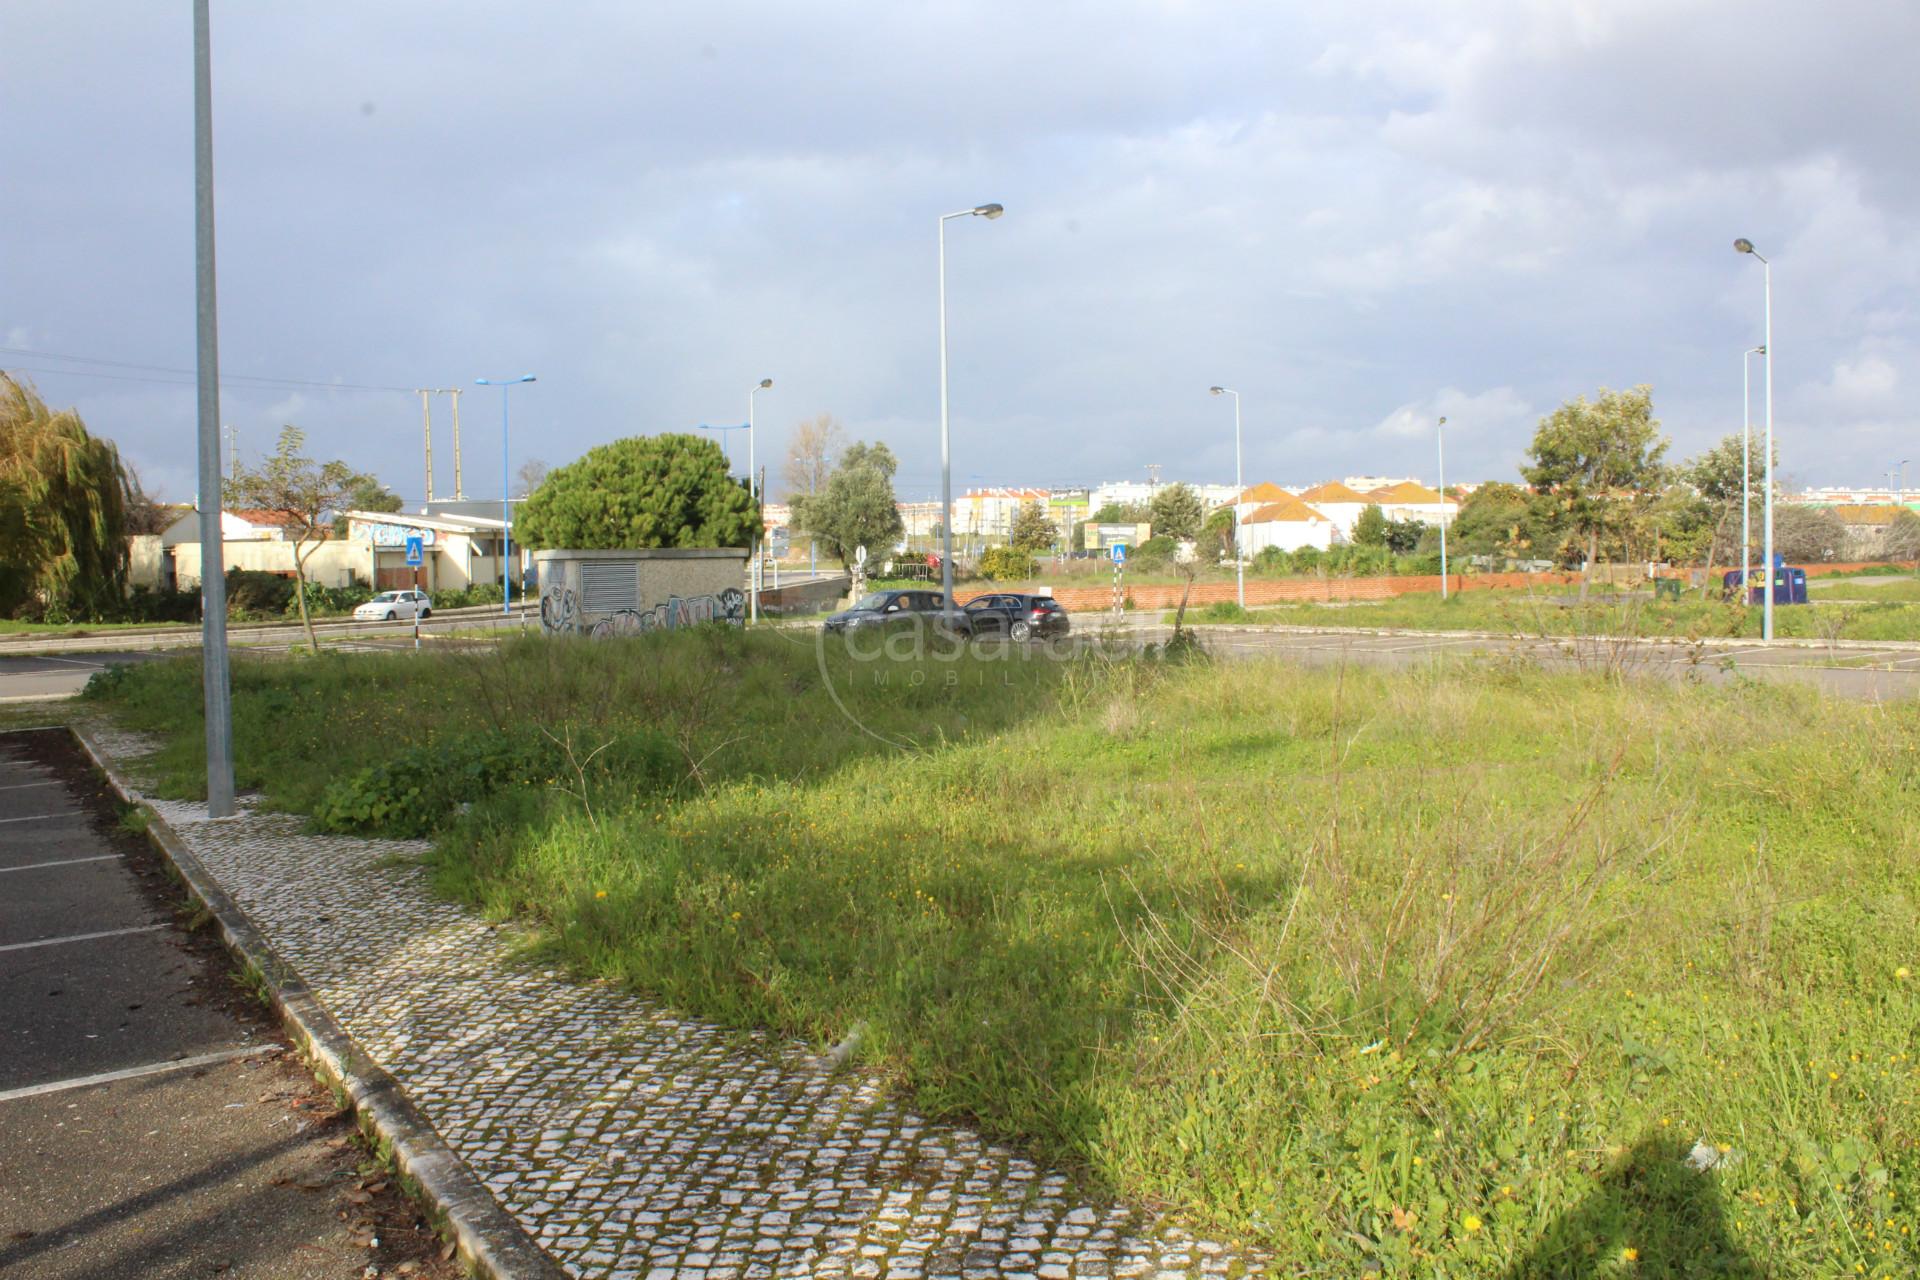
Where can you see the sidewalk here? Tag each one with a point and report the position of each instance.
(627, 1141)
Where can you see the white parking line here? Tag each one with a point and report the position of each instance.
(22, 786)
(40, 817)
(134, 1073)
(63, 862)
(82, 937)
(78, 662)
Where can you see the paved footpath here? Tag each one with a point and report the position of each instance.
(630, 1142)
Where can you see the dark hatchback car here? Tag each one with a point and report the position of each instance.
(1017, 616)
(886, 609)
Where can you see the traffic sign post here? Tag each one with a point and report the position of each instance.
(416, 554)
(1119, 553)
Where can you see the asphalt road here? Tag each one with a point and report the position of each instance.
(38, 676)
(152, 1123)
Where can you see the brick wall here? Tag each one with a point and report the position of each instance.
(1286, 590)
(1290, 590)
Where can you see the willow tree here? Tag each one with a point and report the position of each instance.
(63, 509)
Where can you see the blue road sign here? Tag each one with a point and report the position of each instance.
(1119, 552)
(415, 551)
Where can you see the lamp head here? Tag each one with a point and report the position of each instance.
(765, 383)
(1443, 419)
(1743, 246)
(1216, 391)
(988, 211)
(526, 377)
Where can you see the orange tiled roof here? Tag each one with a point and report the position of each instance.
(265, 519)
(1333, 491)
(1406, 492)
(1265, 491)
(1289, 508)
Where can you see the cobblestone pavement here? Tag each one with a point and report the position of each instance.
(633, 1143)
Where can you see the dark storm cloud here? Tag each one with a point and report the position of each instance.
(1360, 215)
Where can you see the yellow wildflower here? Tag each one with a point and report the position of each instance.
(1471, 1223)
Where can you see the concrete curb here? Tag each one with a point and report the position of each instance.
(489, 1240)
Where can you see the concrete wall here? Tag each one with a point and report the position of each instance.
(630, 592)
(1288, 535)
(146, 561)
(337, 562)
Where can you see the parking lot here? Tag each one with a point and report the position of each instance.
(152, 1121)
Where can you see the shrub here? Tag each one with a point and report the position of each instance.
(253, 593)
(144, 604)
(467, 597)
(327, 600)
(1272, 562)
(1004, 564)
(1225, 611)
(416, 791)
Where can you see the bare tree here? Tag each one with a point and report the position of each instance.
(306, 492)
(812, 451)
(530, 476)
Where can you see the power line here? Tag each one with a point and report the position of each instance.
(187, 373)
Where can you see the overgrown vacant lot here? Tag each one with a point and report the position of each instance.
(1450, 970)
(1844, 611)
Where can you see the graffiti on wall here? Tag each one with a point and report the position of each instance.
(395, 535)
(559, 608)
(560, 612)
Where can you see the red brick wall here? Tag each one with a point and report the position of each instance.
(1281, 590)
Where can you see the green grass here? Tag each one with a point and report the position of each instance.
(1864, 613)
(1872, 591)
(1444, 970)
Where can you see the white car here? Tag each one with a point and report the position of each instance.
(391, 606)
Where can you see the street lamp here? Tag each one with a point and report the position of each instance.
(1899, 480)
(753, 542)
(1766, 617)
(216, 679)
(726, 450)
(988, 211)
(1440, 447)
(1746, 468)
(1239, 562)
(506, 487)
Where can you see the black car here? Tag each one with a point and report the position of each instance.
(1017, 616)
(893, 608)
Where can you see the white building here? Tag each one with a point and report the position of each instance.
(1288, 524)
(1338, 502)
(1367, 484)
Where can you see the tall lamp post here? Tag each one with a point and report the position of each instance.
(753, 478)
(1900, 481)
(1440, 448)
(1746, 467)
(988, 211)
(217, 690)
(1766, 617)
(506, 487)
(1239, 561)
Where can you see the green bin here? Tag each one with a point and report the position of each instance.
(1666, 588)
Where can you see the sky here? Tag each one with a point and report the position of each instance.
(1359, 215)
